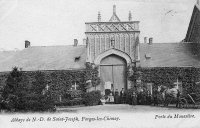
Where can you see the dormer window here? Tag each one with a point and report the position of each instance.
(76, 59)
(148, 56)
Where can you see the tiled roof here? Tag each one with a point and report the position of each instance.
(170, 55)
(44, 58)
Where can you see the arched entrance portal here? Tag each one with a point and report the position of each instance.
(113, 72)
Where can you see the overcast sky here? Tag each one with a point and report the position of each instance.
(58, 22)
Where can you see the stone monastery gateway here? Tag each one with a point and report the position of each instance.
(113, 46)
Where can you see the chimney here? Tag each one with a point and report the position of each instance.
(151, 40)
(130, 16)
(84, 41)
(145, 39)
(27, 44)
(75, 42)
(99, 17)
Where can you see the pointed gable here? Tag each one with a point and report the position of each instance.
(194, 26)
(114, 17)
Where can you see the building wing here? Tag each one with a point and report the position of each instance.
(45, 58)
(170, 55)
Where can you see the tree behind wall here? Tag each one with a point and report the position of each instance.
(12, 83)
(14, 89)
(21, 96)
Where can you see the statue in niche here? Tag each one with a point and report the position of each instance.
(112, 42)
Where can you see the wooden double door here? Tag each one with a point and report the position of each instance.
(113, 72)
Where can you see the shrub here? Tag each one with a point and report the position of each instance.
(92, 98)
(70, 94)
(107, 92)
(36, 102)
(73, 102)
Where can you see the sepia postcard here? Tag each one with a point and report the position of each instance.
(99, 63)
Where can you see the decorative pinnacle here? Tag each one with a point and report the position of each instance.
(114, 9)
(130, 16)
(99, 17)
(198, 2)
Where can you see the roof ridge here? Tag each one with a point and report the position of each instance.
(58, 46)
(172, 43)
